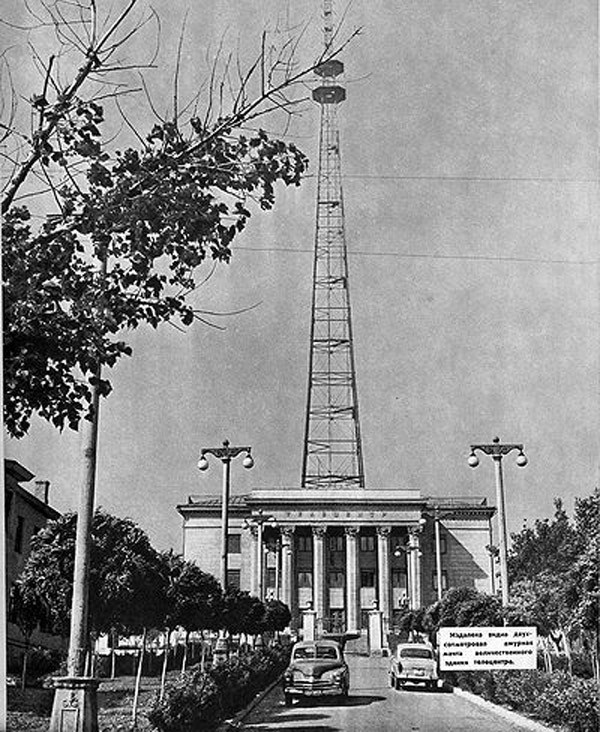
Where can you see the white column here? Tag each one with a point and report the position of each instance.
(383, 571)
(319, 571)
(253, 561)
(414, 560)
(287, 548)
(351, 578)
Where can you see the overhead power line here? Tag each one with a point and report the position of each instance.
(471, 179)
(463, 178)
(408, 255)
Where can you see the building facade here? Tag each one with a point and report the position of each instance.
(26, 512)
(344, 552)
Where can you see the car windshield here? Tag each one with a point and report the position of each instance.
(415, 653)
(310, 652)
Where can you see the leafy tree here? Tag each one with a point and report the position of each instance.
(276, 616)
(583, 591)
(550, 546)
(193, 597)
(583, 587)
(554, 568)
(192, 600)
(449, 607)
(551, 568)
(480, 611)
(460, 606)
(123, 253)
(130, 228)
(28, 612)
(242, 612)
(125, 578)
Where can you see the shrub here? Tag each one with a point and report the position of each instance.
(571, 702)
(556, 698)
(201, 700)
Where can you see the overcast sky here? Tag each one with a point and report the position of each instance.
(469, 150)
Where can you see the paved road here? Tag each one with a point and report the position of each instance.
(374, 707)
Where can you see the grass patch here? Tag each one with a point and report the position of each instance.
(29, 710)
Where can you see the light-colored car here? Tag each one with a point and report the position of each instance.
(317, 668)
(414, 663)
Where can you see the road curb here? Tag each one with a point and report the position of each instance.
(234, 722)
(507, 714)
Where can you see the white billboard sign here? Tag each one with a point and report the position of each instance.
(477, 649)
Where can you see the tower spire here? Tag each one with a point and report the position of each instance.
(332, 444)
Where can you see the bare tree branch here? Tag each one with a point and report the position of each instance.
(177, 70)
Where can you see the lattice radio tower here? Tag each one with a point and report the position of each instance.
(332, 445)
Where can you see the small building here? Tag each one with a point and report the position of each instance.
(26, 512)
(344, 552)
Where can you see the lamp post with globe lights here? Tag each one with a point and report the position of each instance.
(497, 450)
(225, 455)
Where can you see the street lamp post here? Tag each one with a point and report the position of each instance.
(496, 451)
(493, 551)
(225, 455)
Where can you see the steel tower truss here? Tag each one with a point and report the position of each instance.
(332, 444)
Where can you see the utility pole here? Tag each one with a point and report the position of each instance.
(75, 706)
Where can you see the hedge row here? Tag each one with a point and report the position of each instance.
(556, 698)
(200, 701)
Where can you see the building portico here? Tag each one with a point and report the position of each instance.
(344, 552)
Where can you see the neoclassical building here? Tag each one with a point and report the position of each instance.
(343, 552)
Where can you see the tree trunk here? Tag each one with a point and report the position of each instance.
(185, 652)
(138, 680)
(203, 655)
(163, 676)
(93, 653)
(24, 669)
(113, 655)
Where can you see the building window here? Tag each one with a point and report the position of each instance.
(234, 544)
(336, 543)
(19, 534)
(443, 546)
(336, 579)
(233, 578)
(270, 577)
(367, 543)
(434, 580)
(304, 579)
(367, 578)
(304, 543)
(398, 578)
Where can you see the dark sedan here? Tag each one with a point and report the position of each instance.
(317, 668)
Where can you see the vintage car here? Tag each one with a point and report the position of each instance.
(317, 668)
(414, 663)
